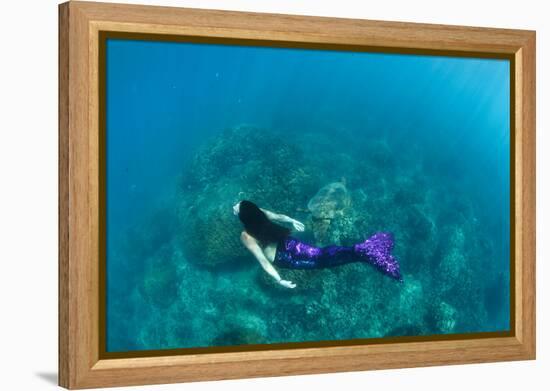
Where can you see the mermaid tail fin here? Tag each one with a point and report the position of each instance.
(376, 250)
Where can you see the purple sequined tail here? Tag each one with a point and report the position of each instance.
(292, 253)
(376, 250)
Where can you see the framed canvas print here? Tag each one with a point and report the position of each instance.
(248, 195)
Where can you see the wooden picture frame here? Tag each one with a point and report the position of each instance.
(81, 364)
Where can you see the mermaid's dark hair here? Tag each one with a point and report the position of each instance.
(257, 224)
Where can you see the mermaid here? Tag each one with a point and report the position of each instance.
(273, 245)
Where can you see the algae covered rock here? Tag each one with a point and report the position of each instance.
(212, 237)
(160, 280)
(226, 154)
(244, 162)
(419, 224)
(445, 317)
(307, 281)
(243, 328)
(453, 267)
(239, 335)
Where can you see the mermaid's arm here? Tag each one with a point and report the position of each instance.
(253, 247)
(251, 244)
(280, 218)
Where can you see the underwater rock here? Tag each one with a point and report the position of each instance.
(244, 162)
(241, 328)
(224, 155)
(458, 281)
(411, 297)
(222, 296)
(306, 280)
(419, 224)
(406, 330)
(445, 317)
(294, 177)
(453, 265)
(160, 287)
(142, 241)
(213, 238)
(341, 231)
(160, 281)
(408, 195)
(238, 336)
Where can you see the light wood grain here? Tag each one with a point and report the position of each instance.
(80, 23)
(64, 325)
(528, 200)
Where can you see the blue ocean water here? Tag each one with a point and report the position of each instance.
(422, 144)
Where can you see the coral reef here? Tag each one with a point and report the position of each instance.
(243, 163)
(445, 318)
(160, 284)
(190, 282)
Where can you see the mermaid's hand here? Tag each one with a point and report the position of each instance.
(298, 226)
(287, 284)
